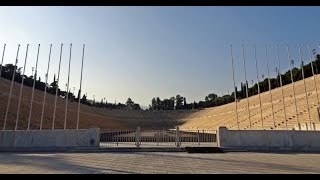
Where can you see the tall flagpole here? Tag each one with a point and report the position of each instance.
(274, 122)
(255, 58)
(57, 87)
(34, 83)
(245, 75)
(65, 115)
(284, 106)
(80, 89)
(234, 86)
(305, 87)
(4, 48)
(24, 69)
(314, 77)
(316, 60)
(45, 89)
(12, 81)
(294, 92)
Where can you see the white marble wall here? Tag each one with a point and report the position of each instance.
(49, 138)
(269, 139)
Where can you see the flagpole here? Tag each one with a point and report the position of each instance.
(12, 81)
(66, 109)
(266, 53)
(4, 48)
(34, 83)
(45, 89)
(21, 87)
(80, 88)
(314, 77)
(255, 58)
(245, 75)
(57, 87)
(294, 92)
(284, 107)
(234, 86)
(304, 82)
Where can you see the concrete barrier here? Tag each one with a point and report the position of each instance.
(269, 140)
(50, 139)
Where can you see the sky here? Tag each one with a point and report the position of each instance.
(146, 52)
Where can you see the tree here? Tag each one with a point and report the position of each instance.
(84, 99)
(136, 106)
(153, 104)
(212, 96)
(19, 70)
(171, 107)
(54, 84)
(179, 100)
(130, 103)
(158, 103)
(101, 103)
(167, 104)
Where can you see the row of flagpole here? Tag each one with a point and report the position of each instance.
(235, 96)
(269, 83)
(45, 90)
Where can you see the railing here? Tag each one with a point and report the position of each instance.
(157, 138)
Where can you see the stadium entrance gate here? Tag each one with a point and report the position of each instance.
(157, 138)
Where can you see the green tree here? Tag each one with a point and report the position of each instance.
(84, 99)
(158, 103)
(136, 106)
(179, 100)
(54, 84)
(212, 96)
(172, 100)
(153, 104)
(130, 103)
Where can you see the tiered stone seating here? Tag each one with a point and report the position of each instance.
(209, 118)
(226, 116)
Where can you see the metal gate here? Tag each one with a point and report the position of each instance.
(157, 138)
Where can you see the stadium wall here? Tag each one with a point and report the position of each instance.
(49, 139)
(269, 140)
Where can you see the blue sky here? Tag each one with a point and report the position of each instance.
(145, 52)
